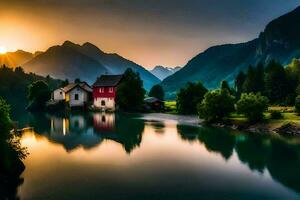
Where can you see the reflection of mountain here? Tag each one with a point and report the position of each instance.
(89, 130)
(259, 152)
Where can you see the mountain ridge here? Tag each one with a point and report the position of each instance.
(279, 41)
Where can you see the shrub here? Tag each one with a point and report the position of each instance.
(275, 114)
(252, 106)
(297, 104)
(216, 105)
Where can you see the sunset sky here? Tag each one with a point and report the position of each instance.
(149, 32)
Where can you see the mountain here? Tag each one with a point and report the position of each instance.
(280, 40)
(86, 62)
(163, 72)
(15, 59)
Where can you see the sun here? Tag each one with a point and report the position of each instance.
(3, 50)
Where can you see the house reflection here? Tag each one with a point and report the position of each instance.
(104, 122)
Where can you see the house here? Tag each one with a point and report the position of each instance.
(75, 94)
(104, 91)
(154, 103)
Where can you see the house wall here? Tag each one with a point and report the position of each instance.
(82, 97)
(104, 92)
(58, 95)
(109, 102)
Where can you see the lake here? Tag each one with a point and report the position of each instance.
(153, 156)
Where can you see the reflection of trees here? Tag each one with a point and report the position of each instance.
(129, 131)
(253, 151)
(11, 165)
(215, 140)
(259, 152)
(284, 164)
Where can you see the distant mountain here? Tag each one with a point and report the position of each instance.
(280, 40)
(163, 72)
(85, 61)
(15, 59)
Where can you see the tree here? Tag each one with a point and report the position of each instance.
(77, 80)
(157, 91)
(225, 85)
(38, 94)
(130, 92)
(249, 84)
(259, 78)
(5, 121)
(189, 96)
(297, 104)
(252, 106)
(65, 83)
(216, 105)
(277, 86)
(238, 83)
(19, 70)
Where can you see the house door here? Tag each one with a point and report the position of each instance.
(102, 103)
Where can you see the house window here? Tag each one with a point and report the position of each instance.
(76, 97)
(102, 103)
(60, 93)
(111, 90)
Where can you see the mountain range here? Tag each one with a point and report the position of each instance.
(72, 61)
(162, 72)
(280, 41)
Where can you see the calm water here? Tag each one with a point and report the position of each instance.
(97, 156)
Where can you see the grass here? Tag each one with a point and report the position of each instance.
(170, 107)
(288, 113)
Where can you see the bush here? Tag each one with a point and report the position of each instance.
(189, 97)
(38, 94)
(275, 114)
(216, 105)
(297, 104)
(252, 106)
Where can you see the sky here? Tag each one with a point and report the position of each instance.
(148, 32)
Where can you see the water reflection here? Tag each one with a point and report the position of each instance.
(122, 155)
(89, 130)
(259, 152)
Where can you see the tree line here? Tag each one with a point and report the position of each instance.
(253, 91)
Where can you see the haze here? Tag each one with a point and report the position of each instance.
(148, 32)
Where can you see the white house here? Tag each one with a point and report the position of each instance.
(75, 94)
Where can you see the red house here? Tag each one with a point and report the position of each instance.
(104, 91)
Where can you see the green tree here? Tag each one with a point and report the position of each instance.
(216, 105)
(5, 121)
(277, 85)
(130, 93)
(259, 78)
(189, 96)
(252, 106)
(77, 80)
(65, 83)
(157, 91)
(238, 83)
(297, 104)
(225, 85)
(249, 84)
(38, 94)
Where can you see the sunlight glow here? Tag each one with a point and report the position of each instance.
(3, 50)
